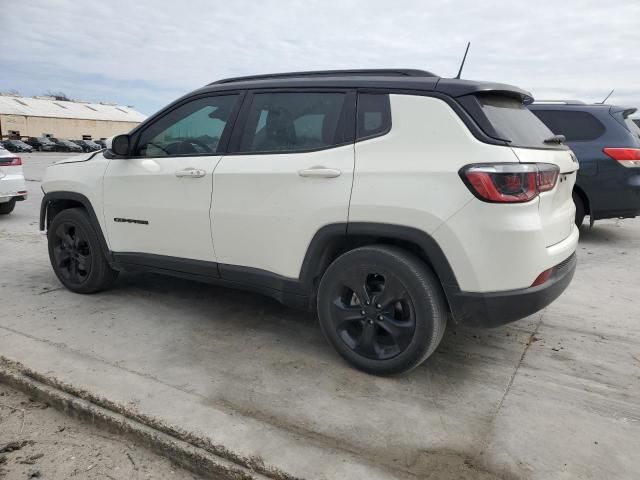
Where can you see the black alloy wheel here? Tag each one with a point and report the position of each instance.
(373, 314)
(76, 254)
(72, 252)
(382, 309)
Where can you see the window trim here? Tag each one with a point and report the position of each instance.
(224, 138)
(381, 133)
(347, 121)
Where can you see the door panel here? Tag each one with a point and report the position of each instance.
(266, 209)
(173, 211)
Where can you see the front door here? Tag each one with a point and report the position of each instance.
(159, 200)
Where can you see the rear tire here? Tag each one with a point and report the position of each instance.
(76, 255)
(7, 207)
(382, 309)
(577, 199)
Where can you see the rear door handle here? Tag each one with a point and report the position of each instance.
(191, 173)
(321, 172)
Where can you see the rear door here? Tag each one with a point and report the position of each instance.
(289, 173)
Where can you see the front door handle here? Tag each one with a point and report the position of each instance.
(191, 173)
(321, 172)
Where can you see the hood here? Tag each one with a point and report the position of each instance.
(78, 158)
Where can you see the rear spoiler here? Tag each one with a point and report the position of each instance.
(625, 111)
(460, 88)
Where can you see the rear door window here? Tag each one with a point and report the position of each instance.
(574, 125)
(513, 121)
(293, 122)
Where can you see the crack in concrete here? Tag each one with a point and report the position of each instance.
(485, 440)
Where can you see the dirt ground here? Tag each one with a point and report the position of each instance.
(39, 442)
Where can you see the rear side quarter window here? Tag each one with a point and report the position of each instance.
(374, 115)
(575, 126)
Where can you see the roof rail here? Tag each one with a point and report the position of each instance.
(384, 72)
(560, 102)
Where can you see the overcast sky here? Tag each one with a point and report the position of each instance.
(148, 52)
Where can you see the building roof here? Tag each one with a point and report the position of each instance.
(50, 107)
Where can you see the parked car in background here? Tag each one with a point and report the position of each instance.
(101, 142)
(87, 145)
(17, 146)
(386, 248)
(12, 184)
(63, 145)
(607, 144)
(41, 144)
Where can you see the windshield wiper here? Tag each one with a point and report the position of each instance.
(555, 139)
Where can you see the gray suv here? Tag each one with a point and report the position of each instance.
(607, 143)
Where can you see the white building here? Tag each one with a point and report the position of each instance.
(45, 116)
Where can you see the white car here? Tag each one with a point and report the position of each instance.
(390, 200)
(12, 184)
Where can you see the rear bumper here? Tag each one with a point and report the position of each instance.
(493, 309)
(8, 198)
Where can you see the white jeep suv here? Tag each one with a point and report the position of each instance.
(390, 200)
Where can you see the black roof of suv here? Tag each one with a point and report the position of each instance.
(401, 79)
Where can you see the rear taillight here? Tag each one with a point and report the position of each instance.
(11, 162)
(547, 176)
(509, 182)
(628, 157)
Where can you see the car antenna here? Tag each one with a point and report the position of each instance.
(457, 77)
(607, 97)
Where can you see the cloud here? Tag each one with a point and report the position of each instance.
(148, 52)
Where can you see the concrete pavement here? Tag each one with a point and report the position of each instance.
(552, 396)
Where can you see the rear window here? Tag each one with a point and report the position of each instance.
(575, 126)
(514, 122)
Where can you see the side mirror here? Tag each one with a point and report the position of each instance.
(119, 145)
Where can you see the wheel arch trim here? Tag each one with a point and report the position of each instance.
(328, 240)
(51, 197)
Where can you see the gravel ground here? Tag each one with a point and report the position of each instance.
(39, 442)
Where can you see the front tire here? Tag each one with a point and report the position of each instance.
(382, 309)
(76, 255)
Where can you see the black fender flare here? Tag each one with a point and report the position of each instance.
(78, 198)
(327, 241)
